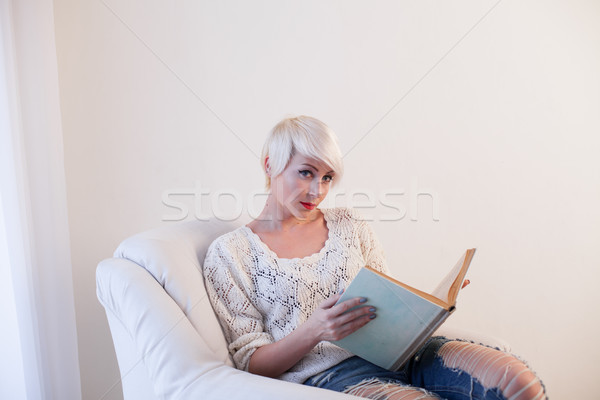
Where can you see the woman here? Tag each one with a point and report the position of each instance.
(274, 284)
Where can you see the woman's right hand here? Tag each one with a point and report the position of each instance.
(332, 322)
(328, 322)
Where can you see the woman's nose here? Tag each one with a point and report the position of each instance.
(315, 188)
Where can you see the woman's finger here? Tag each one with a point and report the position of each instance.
(330, 301)
(354, 324)
(344, 306)
(358, 313)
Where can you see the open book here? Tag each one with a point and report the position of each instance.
(406, 317)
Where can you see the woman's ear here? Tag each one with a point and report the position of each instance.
(267, 166)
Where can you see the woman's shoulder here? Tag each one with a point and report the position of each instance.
(341, 214)
(230, 241)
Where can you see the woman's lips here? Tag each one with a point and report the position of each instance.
(308, 206)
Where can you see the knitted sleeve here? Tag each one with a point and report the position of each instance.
(228, 287)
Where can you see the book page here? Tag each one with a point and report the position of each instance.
(418, 292)
(443, 289)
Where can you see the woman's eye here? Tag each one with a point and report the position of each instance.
(305, 173)
(327, 178)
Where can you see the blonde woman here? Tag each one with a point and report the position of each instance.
(274, 284)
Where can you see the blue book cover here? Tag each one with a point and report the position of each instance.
(406, 317)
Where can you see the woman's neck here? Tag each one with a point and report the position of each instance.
(275, 217)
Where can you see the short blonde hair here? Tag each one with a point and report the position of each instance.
(307, 136)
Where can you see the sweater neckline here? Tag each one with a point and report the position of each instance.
(308, 258)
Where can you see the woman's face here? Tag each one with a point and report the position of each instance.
(302, 186)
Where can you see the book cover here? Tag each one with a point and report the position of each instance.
(406, 317)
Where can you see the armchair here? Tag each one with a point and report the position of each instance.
(168, 341)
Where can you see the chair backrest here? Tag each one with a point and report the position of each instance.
(173, 255)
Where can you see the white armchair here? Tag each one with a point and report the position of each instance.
(168, 341)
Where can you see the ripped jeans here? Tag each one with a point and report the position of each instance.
(442, 368)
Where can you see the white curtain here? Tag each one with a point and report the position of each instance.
(38, 340)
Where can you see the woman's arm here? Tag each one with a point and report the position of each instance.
(328, 322)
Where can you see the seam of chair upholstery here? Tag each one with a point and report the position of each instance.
(108, 307)
(114, 314)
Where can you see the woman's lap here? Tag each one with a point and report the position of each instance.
(351, 372)
(426, 370)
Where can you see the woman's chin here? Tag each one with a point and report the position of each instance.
(302, 213)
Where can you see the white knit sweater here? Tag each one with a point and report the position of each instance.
(260, 298)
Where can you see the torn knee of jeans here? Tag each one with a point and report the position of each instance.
(493, 369)
(375, 389)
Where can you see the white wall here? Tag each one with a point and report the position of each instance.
(491, 107)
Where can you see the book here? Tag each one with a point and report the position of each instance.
(406, 317)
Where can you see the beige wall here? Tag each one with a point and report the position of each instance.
(491, 108)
